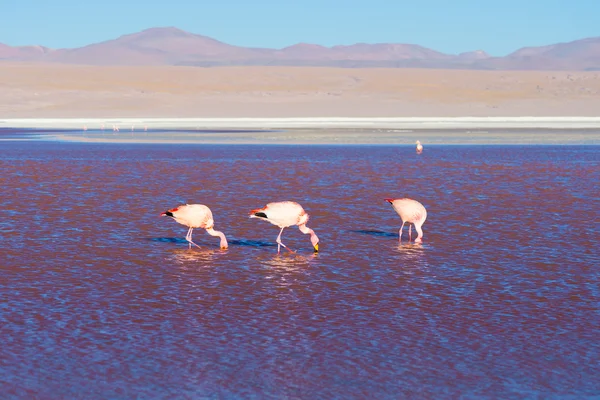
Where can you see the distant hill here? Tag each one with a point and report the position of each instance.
(581, 54)
(172, 46)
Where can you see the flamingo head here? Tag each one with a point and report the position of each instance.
(168, 213)
(389, 200)
(418, 142)
(258, 213)
(315, 242)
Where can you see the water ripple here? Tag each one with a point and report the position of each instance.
(103, 299)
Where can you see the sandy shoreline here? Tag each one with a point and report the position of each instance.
(76, 91)
(350, 137)
(311, 104)
(309, 123)
(363, 131)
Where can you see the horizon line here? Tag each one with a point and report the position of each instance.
(171, 27)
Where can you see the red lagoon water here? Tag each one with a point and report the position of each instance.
(101, 298)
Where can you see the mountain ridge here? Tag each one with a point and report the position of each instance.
(174, 46)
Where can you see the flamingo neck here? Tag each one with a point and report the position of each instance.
(314, 239)
(220, 234)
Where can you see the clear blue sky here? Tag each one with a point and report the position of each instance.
(496, 26)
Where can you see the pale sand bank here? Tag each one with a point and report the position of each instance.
(69, 91)
(515, 130)
(460, 130)
(347, 137)
(309, 123)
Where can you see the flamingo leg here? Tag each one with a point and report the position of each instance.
(188, 237)
(400, 232)
(409, 232)
(279, 243)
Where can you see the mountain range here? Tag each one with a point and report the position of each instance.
(173, 46)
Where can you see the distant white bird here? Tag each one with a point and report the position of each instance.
(419, 147)
(285, 214)
(410, 211)
(195, 216)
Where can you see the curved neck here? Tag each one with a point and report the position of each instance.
(220, 234)
(314, 239)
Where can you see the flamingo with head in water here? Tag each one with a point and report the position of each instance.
(195, 216)
(285, 214)
(410, 211)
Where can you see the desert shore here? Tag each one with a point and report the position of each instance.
(397, 123)
(473, 130)
(79, 91)
(310, 104)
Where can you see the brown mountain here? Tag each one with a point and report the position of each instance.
(155, 46)
(23, 53)
(474, 55)
(172, 46)
(581, 54)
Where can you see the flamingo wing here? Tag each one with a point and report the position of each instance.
(192, 215)
(282, 214)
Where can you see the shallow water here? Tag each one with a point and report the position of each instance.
(101, 298)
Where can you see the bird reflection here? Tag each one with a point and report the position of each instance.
(287, 274)
(410, 248)
(413, 254)
(290, 262)
(187, 256)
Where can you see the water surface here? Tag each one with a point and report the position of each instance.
(101, 298)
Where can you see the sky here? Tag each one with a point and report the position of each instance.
(498, 27)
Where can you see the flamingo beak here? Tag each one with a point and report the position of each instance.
(316, 248)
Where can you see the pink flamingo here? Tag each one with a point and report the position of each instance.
(419, 147)
(410, 211)
(195, 216)
(285, 214)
